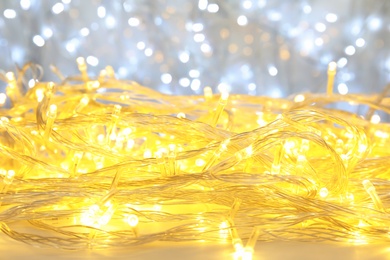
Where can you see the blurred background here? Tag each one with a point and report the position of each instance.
(255, 47)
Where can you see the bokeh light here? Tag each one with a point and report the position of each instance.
(256, 47)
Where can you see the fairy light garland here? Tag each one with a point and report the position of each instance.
(99, 163)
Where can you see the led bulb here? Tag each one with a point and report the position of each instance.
(324, 192)
(52, 113)
(331, 74)
(332, 67)
(224, 96)
(9, 177)
(208, 93)
(181, 115)
(132, 220)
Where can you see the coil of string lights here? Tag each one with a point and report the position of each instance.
(101, 162)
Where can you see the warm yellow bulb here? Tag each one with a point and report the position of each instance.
(132, 220)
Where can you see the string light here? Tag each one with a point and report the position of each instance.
(116, 164)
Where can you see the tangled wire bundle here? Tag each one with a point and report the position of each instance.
(97, 163)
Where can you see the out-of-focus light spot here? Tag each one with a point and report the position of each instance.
(71, 45)
(128, 7)
(342, 88)
(110, 22)
(184, 57)
(320, 27)
(202, 4)
(272, 70)
(350, 50)
(197, 27)
(242, 20)
(194, 73)
(346, 76)
(158, 21)
(342, 62)
(248, 39)
(166, 78)
(195, 84)
(148, 52)
(66, 1)
(57, 8)
(224, 87)
(140, 45)
(261, 3)
(284, 54)
(199, 37)
(213, 8)
(319, 41)
(274, 15)
(375, 23)
(360, 42)
(92, 60)
(252, 86)
(38, 40)
(307, 9)
(275, 92)
(25, 4)
(122, 72)
(331, 17)
(375, 119)
(356, 29)
(233, 48)
(47, 32)
(101, 11)
(3, 98)
(205, 48)
(84, 31)
(188, 26)
(9, 13)
(133, 21)
(31, 83)
(247, 4)
(17, 54)
(387, 64)
(184, 82)
(246, 71)
(94, 26)
(245, 68)
(307, 47)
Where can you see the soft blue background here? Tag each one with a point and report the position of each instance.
(181, 46)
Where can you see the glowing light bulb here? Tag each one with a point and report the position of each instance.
(9, 177)
(82, 65)
(224, 230)
(208, 93)
(181, 115)
(324, 192)
(370, 189)
(82, 104)
(331, 74)
(299, 98)
(3, 98)
(375, 119)
(132, 220)
(97, 215)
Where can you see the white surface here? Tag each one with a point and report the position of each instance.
(273, 250)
